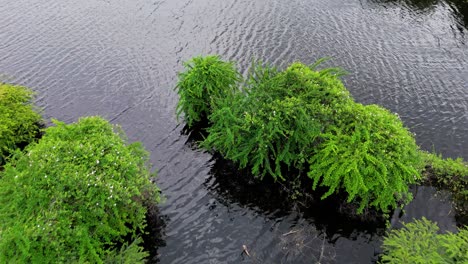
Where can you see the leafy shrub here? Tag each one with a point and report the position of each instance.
(19, 122)
(369, 154)
(74, 195)
(278, 120)
(419, 242)
(306, 119)
(204, 81)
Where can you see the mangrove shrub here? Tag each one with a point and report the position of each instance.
(204, 81)
(74, 195)
(420, 243)
(19, 121)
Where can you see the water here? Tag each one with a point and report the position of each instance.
(120, 58)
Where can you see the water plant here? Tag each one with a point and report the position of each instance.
(305, 119)
(369, 154)
(76, 195)
(204, 81)
(278, 120)
(420, 242)
(19, 120)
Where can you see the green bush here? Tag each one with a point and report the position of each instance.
(306, 119)
(19, 122)
(74, 195)
(369, 154)
(278, 120)
(419, 243)
(204, 81)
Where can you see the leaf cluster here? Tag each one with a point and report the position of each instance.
(204, 81)
(19, 120)
(369, 154)
(419, 242)
(74, 195)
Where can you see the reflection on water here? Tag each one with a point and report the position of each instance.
(154, 233)
(458, 8)
(418, 5)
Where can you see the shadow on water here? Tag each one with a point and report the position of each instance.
(155, 232)
(459, 8)
(317, 229)
(331, 215)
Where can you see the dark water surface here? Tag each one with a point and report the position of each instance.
(119, 59)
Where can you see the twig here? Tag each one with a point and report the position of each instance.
(321, 250)
(245, 250)
(291, 232)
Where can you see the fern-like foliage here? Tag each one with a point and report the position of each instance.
(369, 154)
(277, 120)
(418, 242)
(305, 118)
(204, 81)
(19, 120)
(73, 195)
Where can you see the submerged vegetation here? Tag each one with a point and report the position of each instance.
(304, 119)
(420, 242)
(19, 121)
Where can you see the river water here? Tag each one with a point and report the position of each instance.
(120, 58)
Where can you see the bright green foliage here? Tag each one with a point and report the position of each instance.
(455, 246)
(204, 81)
(369, 154)
(278, 120)
(19, 122)
(306, 119)
(73, 195)
(419, 243)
